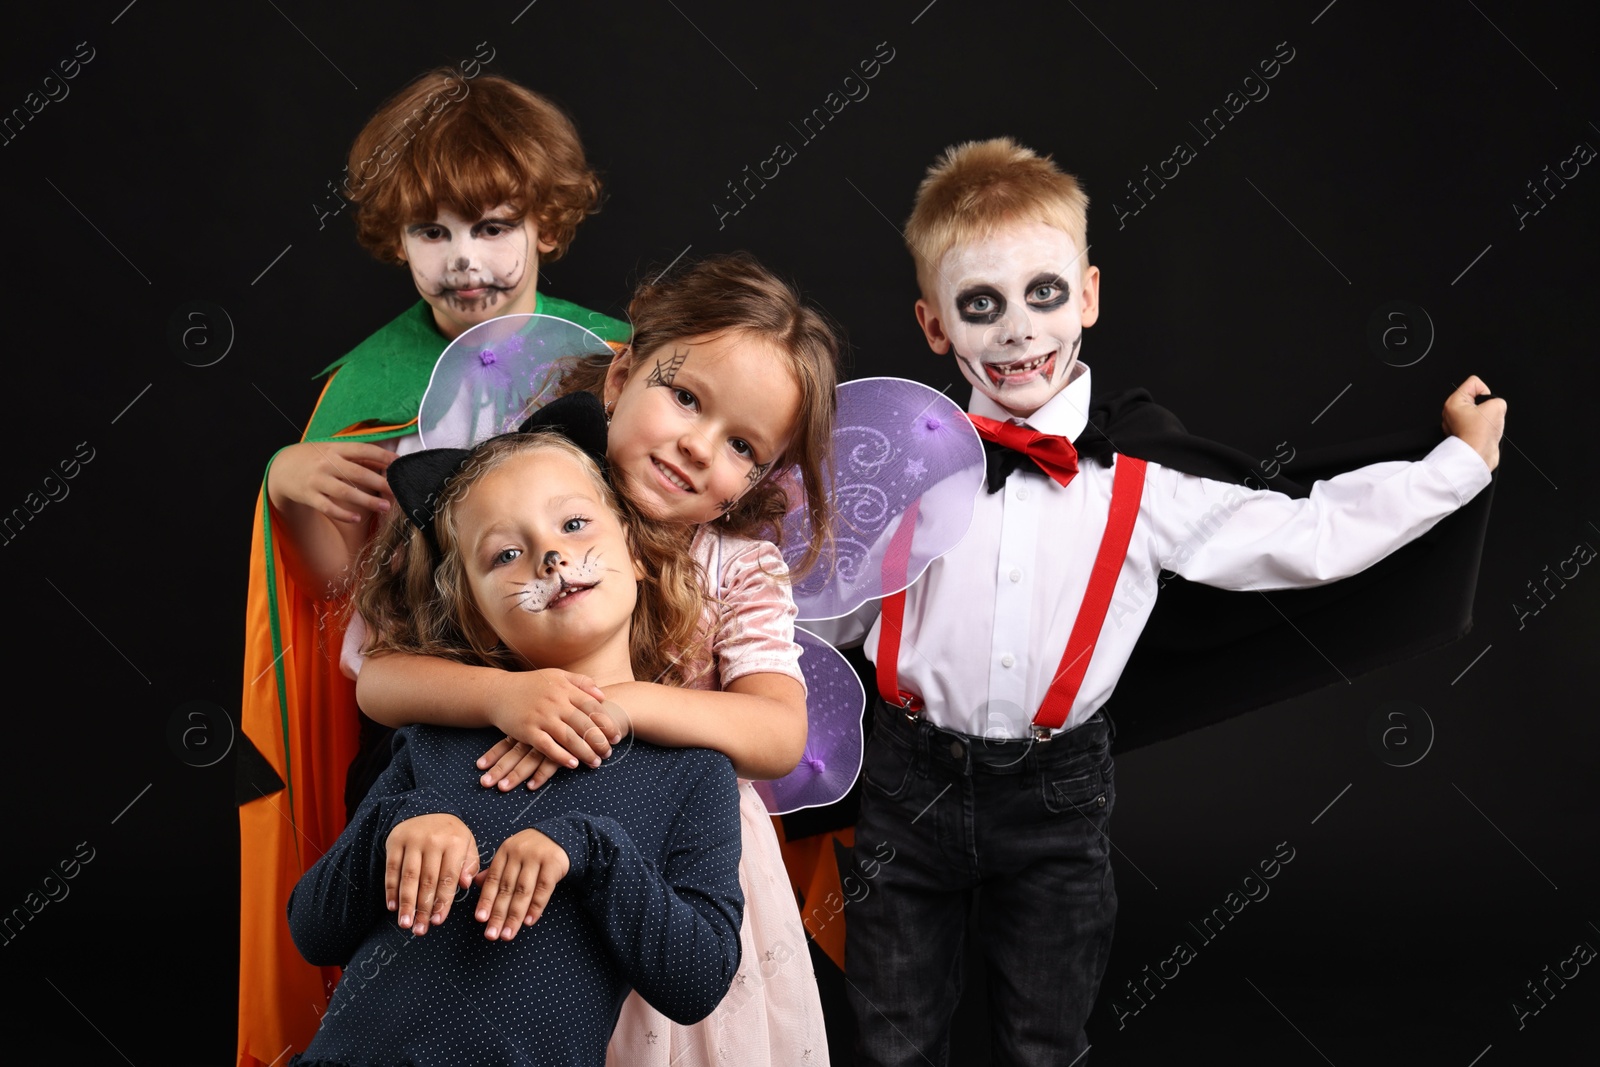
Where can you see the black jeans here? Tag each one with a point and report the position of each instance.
(1025, 824)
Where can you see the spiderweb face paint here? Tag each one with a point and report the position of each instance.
(1012, 307)
(666, 369)
(701, 422)
(472, 270)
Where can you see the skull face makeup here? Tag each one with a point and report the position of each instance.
(548, 563)
(473, 270)
(1013, 308)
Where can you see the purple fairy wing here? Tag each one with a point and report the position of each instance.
(906, 471)
(834, 741)
(495, 374)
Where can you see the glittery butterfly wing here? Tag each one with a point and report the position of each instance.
(834, 741)
(905, 473)
(491, 377)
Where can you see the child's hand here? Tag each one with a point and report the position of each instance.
(1479, 425)
(557, 715)
(428, 857)
(518, 884)
(341, 479)
(512, 762)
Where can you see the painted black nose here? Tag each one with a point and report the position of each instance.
(551, 558)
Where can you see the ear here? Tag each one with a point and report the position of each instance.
(932, 327)
(540, 242)
(617, 375)
(1089, 303)
(639, 572)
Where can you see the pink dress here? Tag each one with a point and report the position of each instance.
(772, 1014)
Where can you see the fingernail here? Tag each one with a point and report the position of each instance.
(492, 933)
(390, 905)
(482, 915)
(572, 763)
(405, 920)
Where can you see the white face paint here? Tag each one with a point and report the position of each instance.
(558, 579)
(473, 270)
(1013, 308)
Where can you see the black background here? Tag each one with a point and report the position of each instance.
(186, 163)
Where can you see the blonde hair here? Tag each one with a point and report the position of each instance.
(976, 187)
(418, 600)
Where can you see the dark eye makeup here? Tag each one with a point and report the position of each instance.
(1048, 281)
(981, 304)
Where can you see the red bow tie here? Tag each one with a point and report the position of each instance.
(1052, 454)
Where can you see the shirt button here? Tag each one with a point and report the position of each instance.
(1008, 660)
(956, 749)
(1022, 494)
(1016, 575)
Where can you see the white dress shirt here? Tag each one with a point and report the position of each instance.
(986, 625)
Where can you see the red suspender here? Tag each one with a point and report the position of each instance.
(895, 563)
(1127, 489)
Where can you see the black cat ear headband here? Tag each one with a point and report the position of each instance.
(418, 479)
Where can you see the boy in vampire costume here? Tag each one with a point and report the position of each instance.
(994, 669)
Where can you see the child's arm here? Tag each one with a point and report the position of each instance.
(758, 721)
(325, 493)
(551, 710)
(335, 904)
(674, 930)
(1236, 538)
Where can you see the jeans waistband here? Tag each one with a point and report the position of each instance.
(966, 754)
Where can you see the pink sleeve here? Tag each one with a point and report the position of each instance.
(756, 635)
(350, 655)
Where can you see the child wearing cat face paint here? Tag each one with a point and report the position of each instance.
(469, 184)
(729, 380)
(989, 772)
(605, 880)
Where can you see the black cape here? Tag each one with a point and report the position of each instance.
(1209, 654)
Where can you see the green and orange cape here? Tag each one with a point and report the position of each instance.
(299, 717)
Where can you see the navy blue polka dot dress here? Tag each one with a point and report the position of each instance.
(651, 902)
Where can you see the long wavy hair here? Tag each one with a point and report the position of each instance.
(735, 292)
(418, 600)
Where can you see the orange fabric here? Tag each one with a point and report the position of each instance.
(281, 997)
(814, 873)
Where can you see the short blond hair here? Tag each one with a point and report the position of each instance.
(976, 187)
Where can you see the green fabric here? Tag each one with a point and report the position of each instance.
(383, 378)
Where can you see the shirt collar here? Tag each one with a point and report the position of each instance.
(1065, 414)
